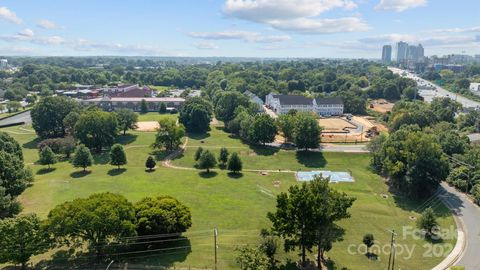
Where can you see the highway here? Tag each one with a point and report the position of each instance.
(428, 95)
(22, 117)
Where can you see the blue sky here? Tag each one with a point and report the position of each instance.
(257, 28)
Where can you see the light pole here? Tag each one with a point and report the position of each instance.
(108, 266)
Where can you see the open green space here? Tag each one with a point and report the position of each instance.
(155, 116)
(237, 206)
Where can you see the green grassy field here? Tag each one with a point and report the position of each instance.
(236, 206)
(155, 116)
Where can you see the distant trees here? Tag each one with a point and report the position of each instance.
(161, 215)
(150, 163)
(207, 161)
(169, 135)
(48, 115)
(307, 131)
(127, 119)
(96, 129)
(97, 220)
(47, 157)
(234, 163)
(21, 238)
(118, 156)
(196, 114)
(305, 217)
(82, 157)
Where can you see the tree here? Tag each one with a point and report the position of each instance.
(198, 153)
(223, 156)
(413, 160)
(143, 106)
(251, 258)
(14, 177)
(169, 135)
(162, 108)
(47, 157)
(269, 247)
(117, 156)
(306, 216)
(21, 238)
(10, 145)
(368, 240)
(82, 157)
(307, 131)
(234, 163)
(69, 122)
(13, 106)
(476, 193)
(96, 129)
(161, 215)
(286, 124)
(127, 119)
(48, 114)
(262, 129)
(98, 220)
(445, 108)
(150, 163)
(227, 102)
(207, 161)
(196, 114)
(428, 222)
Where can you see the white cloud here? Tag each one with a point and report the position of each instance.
(9, 16)
(116, 48)
(321, 26)
(52, 40)
(46, 24)
(458, 30)
(399, 5)
(205, 46)
(28, 33)
(300, 16)
(239, 35)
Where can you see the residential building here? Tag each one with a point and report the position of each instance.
(402, 49)
(386, 54)
(282, 104)
(255, 99)
(127, 90)
(134, 103)
(3, 64)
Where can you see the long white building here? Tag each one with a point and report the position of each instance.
(282, 104)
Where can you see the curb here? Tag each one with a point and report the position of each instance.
(457, 251)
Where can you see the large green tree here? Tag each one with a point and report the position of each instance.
(262, 130)
(82, 157)
(161, 215)
(127, 119)
(97, 220)
(207, 161)
(118, 156)
(10, 145)
(48, 114)
(307, 131)
(96, 129)
(234, 163)
(227, 102)
(47, 157)
(21, 238)
(305, 216)
(286, 125)
(196, 114)
(169, 135)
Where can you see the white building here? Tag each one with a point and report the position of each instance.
(282, 104)
(3, 63)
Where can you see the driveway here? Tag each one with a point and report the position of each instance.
(22, 117)
(469, 213)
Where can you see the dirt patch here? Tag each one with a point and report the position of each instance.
(412, 218)
(276, 183)
(147, 126)
(334, 124)
(381, 105)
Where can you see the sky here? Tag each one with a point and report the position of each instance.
(236, 28)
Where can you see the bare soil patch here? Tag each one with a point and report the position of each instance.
(147, 126)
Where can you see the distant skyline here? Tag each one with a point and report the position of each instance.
(236, 28)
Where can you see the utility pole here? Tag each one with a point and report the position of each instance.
(215, 233)
(391, 257)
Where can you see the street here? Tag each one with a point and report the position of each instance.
(22, 117)
(428, 95)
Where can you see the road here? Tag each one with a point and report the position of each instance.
(428, 95)
(22, 117)
(469, 213)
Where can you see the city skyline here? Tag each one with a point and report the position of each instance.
(235, 28)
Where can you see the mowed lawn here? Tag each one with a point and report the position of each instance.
(236, 206)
